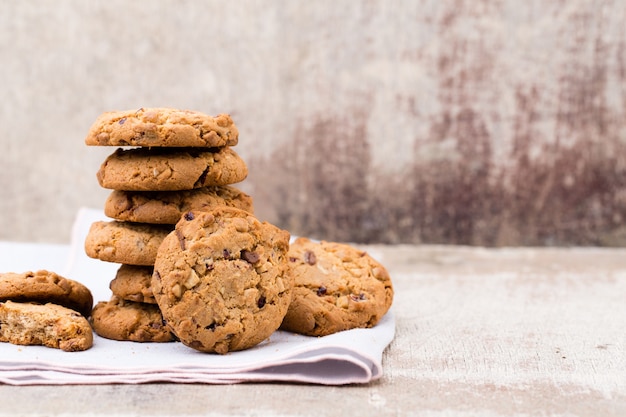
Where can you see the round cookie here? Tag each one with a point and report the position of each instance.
(167, 207)
(48, 325)
(133, 283)
(125, 242)
(170, 169)
(46, 287)
(162, 127)
(221, 279)
(337, 287)
(117, 319)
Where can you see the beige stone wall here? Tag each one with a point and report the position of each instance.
(475, 122)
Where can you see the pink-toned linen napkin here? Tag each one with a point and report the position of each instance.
(349, 357)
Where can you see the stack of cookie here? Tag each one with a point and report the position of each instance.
(168, 162)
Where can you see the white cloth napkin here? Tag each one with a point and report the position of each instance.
(349, 357)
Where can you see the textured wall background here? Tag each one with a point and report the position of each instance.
(472, 122)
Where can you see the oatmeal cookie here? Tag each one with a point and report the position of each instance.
(337, 287)
(48, 325)
(221, 281)
(164, 127)
(170, 169)
(133, 283)
(167, 207)
(117, 319)
(125, 242)
(46, 287)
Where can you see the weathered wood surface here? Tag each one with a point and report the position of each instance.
(511, 331)
(490, 332)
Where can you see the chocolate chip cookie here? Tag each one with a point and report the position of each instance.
(125, 242)
(221, 281)
(133, 283)
(162, 127)
(170, 169)
(167, 207)
(48, 325)
(118, 319)
(337, 287)
(46, 287)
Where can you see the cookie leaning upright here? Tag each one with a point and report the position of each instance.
(221, 279)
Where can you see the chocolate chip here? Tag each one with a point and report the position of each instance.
(196, 345)
(261, 302)
(292, 259)
(189, 216)
(157, 275)
(321, 291)
(251, 257)
(211, 327)
(226, 254)
(122, 120)
(202, 178)
(309, 257)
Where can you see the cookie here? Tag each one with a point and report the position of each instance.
(133, 283)
(170, 169)
(125, 242)
(337, 287)
(221, 281)
(48, 325)
(46, 287)
(162, 127)
(117, 319)
(167, 207)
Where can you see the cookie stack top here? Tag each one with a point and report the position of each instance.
(163, 127)
(171, 150)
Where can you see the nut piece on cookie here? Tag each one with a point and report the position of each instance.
(164, 127)
(49, 325)
(46, 287)
(221, 281)
(337, 287)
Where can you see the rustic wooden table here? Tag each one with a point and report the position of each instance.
(493, 332)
